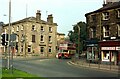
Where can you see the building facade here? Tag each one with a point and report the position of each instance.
(104, 26)
(34, 36)
(60, 38)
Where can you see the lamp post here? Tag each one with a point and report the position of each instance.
(9, 34)
(78, 40)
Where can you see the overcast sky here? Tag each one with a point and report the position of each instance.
(65, 12)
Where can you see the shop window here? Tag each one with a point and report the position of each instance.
(106, 31)
(106, 56)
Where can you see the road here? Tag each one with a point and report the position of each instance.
(57, 68)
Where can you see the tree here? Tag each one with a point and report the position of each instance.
(77, 38)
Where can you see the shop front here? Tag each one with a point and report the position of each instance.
(110, 52)
(92, 51)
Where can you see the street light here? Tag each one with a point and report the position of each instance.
(9, 34)
(78, 40)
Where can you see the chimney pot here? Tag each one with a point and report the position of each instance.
(38, 16)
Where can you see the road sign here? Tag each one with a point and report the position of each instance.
(13, 37)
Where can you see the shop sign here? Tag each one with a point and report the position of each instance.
(107, 48)
(117, 48)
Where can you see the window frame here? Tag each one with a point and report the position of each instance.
(118, 13)
(50, 39)
(33, 38)
(92, 33)
(42, 28)
(33, 27)
(118, 29)
(50, 49)
(42, 50)
(106, 30)
(42, 38)
(29, 48)
(22, 27)
(13, 29)
(17, 29)
(105, 15)
(50, 29)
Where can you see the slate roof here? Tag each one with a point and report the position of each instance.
(106, 7)
(29, 19)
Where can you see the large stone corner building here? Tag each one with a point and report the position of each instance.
(103, 27)
(35, 36)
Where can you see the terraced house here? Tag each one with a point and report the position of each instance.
(103, 26)
(35, 36)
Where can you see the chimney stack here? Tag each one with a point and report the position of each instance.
(104, 3)
(38, 16)
(50, 18)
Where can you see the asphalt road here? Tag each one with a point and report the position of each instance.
(57, 68)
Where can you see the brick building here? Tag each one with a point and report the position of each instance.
(103, 27)
(35, 36)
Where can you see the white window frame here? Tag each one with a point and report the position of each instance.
(22, 27)
(42, 48)
(29, 47)
(92, 34)
(33, 27)
(105, 31)
(118, 29)
(118, 13)
(42, 28)
(50, 49)
(50, 29)
(13, 29)
(42, 38)
(105, 15)
(50, 39)
(17, 28)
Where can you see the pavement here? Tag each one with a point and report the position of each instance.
(103, 67)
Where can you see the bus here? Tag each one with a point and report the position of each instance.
(66, 50)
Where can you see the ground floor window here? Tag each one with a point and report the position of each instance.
(105, 56)
(41, 50)
(21, 49)
(29, 49)
(50, 49)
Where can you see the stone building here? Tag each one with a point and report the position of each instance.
(103, 27)
(60, 38)
(35, 36)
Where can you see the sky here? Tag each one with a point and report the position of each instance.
(65, 12)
